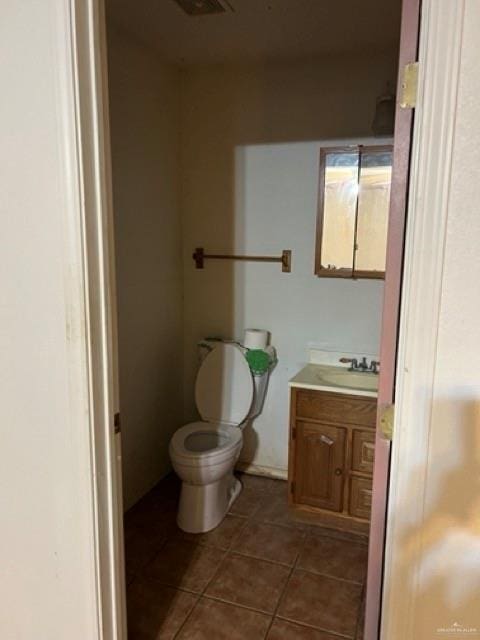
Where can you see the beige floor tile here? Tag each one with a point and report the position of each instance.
(319, 601)
(275, 510)
(141, 547)
(266, 533)
(361, 620)
(283, 630)
(338, 534)
(156, 612)
(264, 485)
(270, 542)
(212, 620)
(222, 536)
(247, 503)
(249, 582)
(337, 558)
(151, 514)
(185, 565)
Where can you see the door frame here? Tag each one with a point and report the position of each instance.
(440, 42)
(441, 36)
(440, 45)
(86, 35)
(402, 148)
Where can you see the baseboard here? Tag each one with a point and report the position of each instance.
(259, 470)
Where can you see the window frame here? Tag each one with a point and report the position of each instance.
(320, 270)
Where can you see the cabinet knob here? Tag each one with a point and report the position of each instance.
(338, 471)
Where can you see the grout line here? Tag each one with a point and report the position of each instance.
(201, 594)
(216, 572)
(332, 577)
(305, 529)
(280, 525)
(228, 552)
(305, 624)
(243, 554)
(180, 628)
(287, 581)
(239, 605)
(338, 635)
(360, 628)
(309, 528)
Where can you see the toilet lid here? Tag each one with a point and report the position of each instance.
(224, 386)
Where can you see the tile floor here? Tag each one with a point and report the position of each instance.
(261, 574)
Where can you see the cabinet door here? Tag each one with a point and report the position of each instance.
(319, 465)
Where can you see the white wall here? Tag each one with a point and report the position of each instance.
(250, 141)
(47, 553)
(144, 112)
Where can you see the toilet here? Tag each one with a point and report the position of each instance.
(204, 453)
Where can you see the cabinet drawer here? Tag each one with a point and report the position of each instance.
(360, 497)
(363, 451)
(336, 408)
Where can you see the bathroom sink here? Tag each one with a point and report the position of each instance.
(336, 379)
(349, 379)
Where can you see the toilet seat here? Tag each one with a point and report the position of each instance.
(187, 442)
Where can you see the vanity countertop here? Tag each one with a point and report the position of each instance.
(336, 379)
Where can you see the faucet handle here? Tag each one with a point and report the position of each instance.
(352, 361)
(373, 366)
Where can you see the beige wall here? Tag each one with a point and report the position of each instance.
(250, 148)
(144, 113)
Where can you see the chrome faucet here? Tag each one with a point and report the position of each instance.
(363, 366)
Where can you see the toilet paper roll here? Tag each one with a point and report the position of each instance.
(255, 339)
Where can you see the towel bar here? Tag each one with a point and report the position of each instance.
(285, 259)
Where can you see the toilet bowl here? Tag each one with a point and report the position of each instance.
(204, 453)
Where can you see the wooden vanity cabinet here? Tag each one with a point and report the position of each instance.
(331, 455)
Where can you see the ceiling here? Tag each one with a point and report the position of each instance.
(257, 30)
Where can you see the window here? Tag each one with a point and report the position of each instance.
(354, 198)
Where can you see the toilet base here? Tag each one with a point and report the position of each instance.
(203, 507)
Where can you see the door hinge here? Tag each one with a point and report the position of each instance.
(116, 423)
(408, 99)
(387, 417)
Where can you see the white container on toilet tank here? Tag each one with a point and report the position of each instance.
(255, 339)
(204, 453)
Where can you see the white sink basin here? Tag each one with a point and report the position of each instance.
(349, 379)
(336, 379)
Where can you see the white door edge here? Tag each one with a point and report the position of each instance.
(87, 31)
